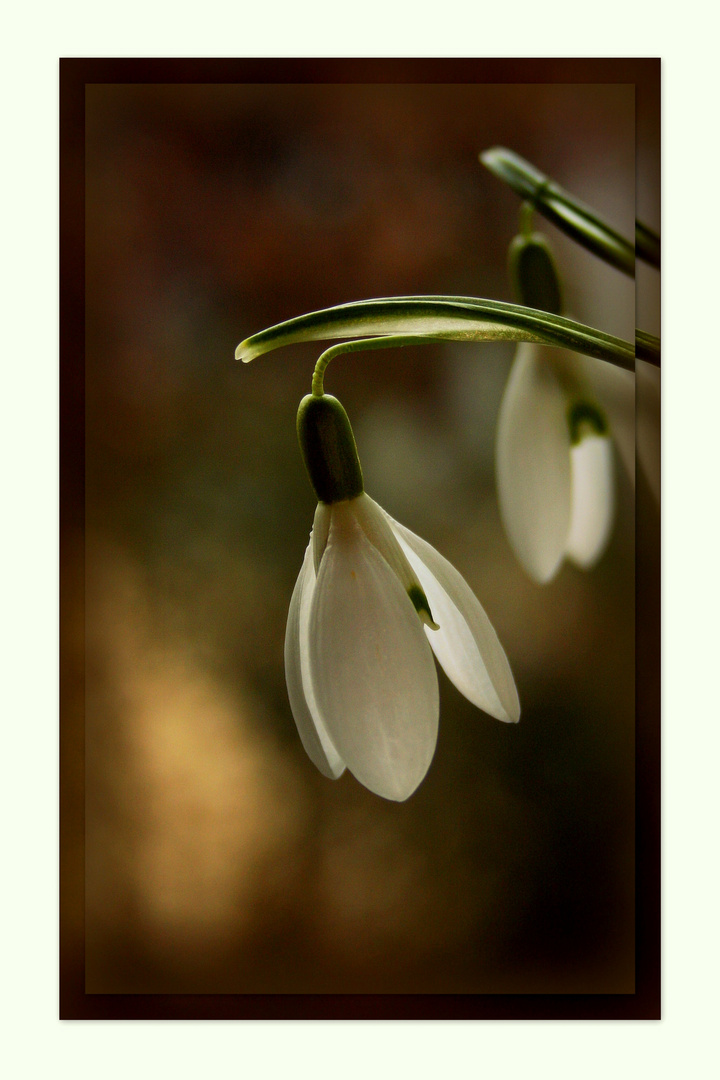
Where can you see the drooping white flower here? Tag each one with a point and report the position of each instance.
(370, 601)
(554, 457)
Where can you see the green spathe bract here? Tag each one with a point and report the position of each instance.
(533, 273)
(328, 448)
(439, 318)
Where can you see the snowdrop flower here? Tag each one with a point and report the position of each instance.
(554, 457)
(554, 464)
(370, 601)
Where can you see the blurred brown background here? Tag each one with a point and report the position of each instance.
(217, 859)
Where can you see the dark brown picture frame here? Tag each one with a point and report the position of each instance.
(75, 1003)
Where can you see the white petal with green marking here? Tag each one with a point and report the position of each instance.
(465, 644)
(593, 500)
(614, 390)
(375, 523)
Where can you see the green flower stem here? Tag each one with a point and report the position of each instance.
(392, 341)
(570, 215)
(441, 318)
(526, 218)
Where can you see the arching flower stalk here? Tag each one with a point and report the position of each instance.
(372, 603)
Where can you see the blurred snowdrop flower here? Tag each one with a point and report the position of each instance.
(554, 458)
(370, 601)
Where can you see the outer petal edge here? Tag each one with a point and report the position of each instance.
(319, 749)
(466, 644)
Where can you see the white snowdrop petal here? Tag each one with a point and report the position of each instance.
(315, 739)
(533, 462)
(614, 390)
(372, 668)
(375, 523)
(319, 534)
(593, 500)
(466, 644)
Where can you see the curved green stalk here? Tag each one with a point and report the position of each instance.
(392, 341)
(578, 221)
(441, 318)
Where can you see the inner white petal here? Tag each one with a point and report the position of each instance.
(593, 500)
(614, 390)
(375, 523)
(319, 535)
(466, 644)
